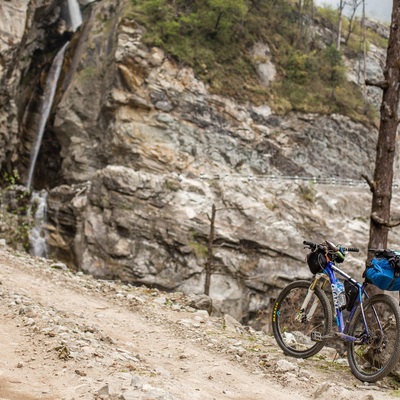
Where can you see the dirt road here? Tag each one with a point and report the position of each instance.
(69, 336)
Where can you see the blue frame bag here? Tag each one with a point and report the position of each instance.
(384, 272)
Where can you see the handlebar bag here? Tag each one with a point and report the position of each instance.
(384, 273)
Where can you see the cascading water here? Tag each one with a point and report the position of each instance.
(48, 97)
(74, 14)
(38, 234)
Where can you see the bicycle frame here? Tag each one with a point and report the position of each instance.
(329, 274)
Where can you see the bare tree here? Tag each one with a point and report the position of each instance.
(381, 185)
(300, 6)
(354, 6)
(364, 43)
(341, 6)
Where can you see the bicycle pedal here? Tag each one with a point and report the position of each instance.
(316, 337)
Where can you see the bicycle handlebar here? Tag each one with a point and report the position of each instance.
(377, 250)
(351, 249)
(313, 246)
(388, 253)
(309, 244)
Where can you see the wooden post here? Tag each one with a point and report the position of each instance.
(208, 267)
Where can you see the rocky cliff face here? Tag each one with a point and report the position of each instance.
(136, 152)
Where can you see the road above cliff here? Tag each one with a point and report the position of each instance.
(69, 336)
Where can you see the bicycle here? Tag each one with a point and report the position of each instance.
(302, 317)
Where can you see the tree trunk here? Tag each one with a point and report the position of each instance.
(364, 39)
(342, 3)
(350, 29)
(383, 175)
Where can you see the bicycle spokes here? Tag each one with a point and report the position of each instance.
(296, 329)
(377, 349)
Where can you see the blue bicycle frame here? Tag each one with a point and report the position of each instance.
(329, 272)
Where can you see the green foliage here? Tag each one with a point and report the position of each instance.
(329, 16)
(15, 223)
(316, 82)
(171, 20)
(214, 38)
(87, 74)
(307, 193)
(8, 180)
(298, 67)
(331, 68)
(199, 249)
(171, 185)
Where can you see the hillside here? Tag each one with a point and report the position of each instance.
(67, 336)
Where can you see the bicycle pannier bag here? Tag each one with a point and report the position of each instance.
(384, 272)
(351, 294)
(316, 261)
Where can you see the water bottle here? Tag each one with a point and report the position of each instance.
(339, 294)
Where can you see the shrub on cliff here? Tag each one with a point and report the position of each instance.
(214, 37)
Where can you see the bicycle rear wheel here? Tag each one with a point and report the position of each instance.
(300, 333)
(373, 356)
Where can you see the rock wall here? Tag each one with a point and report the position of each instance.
(12, 28)
(153, 229)
(126, 104)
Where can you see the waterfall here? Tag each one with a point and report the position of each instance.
(75, 17)
(47, 102)
(74, 14)
(38, 202)
(38, 234)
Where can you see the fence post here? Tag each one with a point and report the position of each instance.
(210, 253)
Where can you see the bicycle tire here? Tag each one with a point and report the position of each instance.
(375, 359)
(294, 335)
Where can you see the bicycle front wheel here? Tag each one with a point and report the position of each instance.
(301, 332)
(376, 352)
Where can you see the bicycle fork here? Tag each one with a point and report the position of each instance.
(302, 316)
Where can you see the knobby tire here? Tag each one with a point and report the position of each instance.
(292, 334)
(375, 359)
